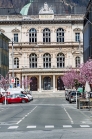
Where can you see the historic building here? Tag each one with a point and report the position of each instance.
(45, 46)
(87, 33)
(4, 54)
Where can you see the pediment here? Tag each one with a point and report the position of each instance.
(77, 29)
(77, 52)
(17, 54)
(2, 31)
(15, 30)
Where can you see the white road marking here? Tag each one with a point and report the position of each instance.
(69, 116)
(84, 126)
(26, 115)
(8, 123)
(12, 127)
(49, 126)
(83, 122)
(31, 126)
(3, 109)
(67, 126)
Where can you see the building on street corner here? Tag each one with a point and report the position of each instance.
(87, 33)
(45, 46)
(4, 54)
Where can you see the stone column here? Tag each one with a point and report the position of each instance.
(23, 82)
(53, 83)
(26, 82)
(39, 83)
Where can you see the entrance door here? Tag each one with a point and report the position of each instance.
(47, 83)
(33, 84)
(60, 84)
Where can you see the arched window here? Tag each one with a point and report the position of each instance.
(47, 60)
(46, 35)
(33, 60)
(60, 60)
(16, 84)
(47, 83)
(32, 35)
(60, 35)
(33, 84)
(77, 61)
(60, 84)
(16, 62)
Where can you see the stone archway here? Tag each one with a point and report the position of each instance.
(60, 84)
(47, 83)
(33, 84)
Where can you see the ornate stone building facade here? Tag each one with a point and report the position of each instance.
(45, 46)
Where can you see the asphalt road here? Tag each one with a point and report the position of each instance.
(45, 118)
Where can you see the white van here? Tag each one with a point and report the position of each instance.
(15, 90)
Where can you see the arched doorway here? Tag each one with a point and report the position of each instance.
(60, 84)
(33, 84)
(47, 83)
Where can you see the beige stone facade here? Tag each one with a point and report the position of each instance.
(43, 61)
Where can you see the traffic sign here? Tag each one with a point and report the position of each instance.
(12, 80)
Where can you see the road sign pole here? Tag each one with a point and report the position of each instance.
(5, 98)
(76, 98)
(12, 64)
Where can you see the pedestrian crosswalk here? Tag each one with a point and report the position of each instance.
(33, 127)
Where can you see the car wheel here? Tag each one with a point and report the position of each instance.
(70, 101)
(23, 101)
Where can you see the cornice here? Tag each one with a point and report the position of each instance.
(73, 21)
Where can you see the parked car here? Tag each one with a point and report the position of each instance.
(89, 94)
(72, 96)
(30, 97)
(15, 98)
(67, 92)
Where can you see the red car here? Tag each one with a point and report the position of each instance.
(15, 98)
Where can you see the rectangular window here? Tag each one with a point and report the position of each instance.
(15, 37)
(43, 39)
(77, 37)
(32, 39)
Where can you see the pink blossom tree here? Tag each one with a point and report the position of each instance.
(26, 83)
(70, 78)
(86, 73)
(75, 77)
(4, 82)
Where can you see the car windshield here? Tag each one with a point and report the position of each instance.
(73, 93)
(9, 96)
(22, 95)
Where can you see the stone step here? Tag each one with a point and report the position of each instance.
(48, 94)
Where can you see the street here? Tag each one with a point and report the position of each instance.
(45, 118)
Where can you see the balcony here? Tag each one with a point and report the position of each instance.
(38, 44)
(41, 70)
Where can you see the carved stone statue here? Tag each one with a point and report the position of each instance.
(46, 9)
